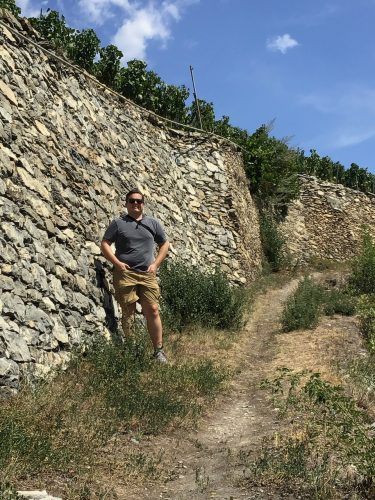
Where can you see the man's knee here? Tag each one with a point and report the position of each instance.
(151, 310)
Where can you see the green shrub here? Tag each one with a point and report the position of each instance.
(339, 302)
(191, 296)
(302, 309)
(362, 278)
(366, 314)
(272, 242)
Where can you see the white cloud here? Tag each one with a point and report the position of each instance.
(99, 11)
(142, 26)
(27, 9)
(347, 138)
(350, 108)
(141, 21)
(281, 43)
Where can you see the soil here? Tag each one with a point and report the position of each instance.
(205, 463)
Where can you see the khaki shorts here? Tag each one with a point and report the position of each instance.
(131, 286)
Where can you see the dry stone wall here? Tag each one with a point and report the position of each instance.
(69, 151)
(326, 221)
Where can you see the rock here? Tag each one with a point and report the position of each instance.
(13, 233)
(37, 319)
(47, 342)
(16, 347)
(13, 306)
(33, 184)
(8, 92)
(42, 128)
(37, 495)
(57, 290)
(9, 373)
(47, 304)
(60, 333)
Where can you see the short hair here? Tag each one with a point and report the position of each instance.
(134, 191)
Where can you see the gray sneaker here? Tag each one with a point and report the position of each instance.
(160, 357)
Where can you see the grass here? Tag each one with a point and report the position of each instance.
(110, 395)
(65, 431)
(327, 449)
(57, 427)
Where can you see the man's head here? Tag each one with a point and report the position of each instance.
(134, 203)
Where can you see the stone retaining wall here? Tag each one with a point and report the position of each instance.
(326, 221)
(69, 151)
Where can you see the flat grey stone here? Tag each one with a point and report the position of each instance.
(16, 346)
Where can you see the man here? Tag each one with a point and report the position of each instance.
(134, 273)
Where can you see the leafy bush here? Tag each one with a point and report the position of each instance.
(302, 309)
(272, 242)
(366, 314)
(362, 277)
(191, 296)
(339, 302)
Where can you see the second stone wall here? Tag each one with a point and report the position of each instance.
(326, 221)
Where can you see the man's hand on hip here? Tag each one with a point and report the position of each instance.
(153, 268)
(121, 266)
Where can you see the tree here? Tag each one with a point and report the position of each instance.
(11, 6)
(207, 114)
(272, 167)
(172, 102)
(53, 27)
(312, 163)
(138, 84)
(83, 48)
(108, 65)
(339, 172)
(351, 176)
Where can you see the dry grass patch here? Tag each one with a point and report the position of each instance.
(330, 345)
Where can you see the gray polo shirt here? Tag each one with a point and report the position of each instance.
(135, 240)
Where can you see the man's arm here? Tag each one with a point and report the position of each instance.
(162, 253)
(107, 251)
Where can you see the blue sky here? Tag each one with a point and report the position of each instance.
(310, 65)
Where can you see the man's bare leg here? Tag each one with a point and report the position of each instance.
(154, 326)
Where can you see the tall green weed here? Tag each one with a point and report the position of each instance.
(362, 278)
(366, 314)
(273, 243)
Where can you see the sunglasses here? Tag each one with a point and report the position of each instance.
(135, 200)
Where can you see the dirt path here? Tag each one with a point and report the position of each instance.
(204, 465)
